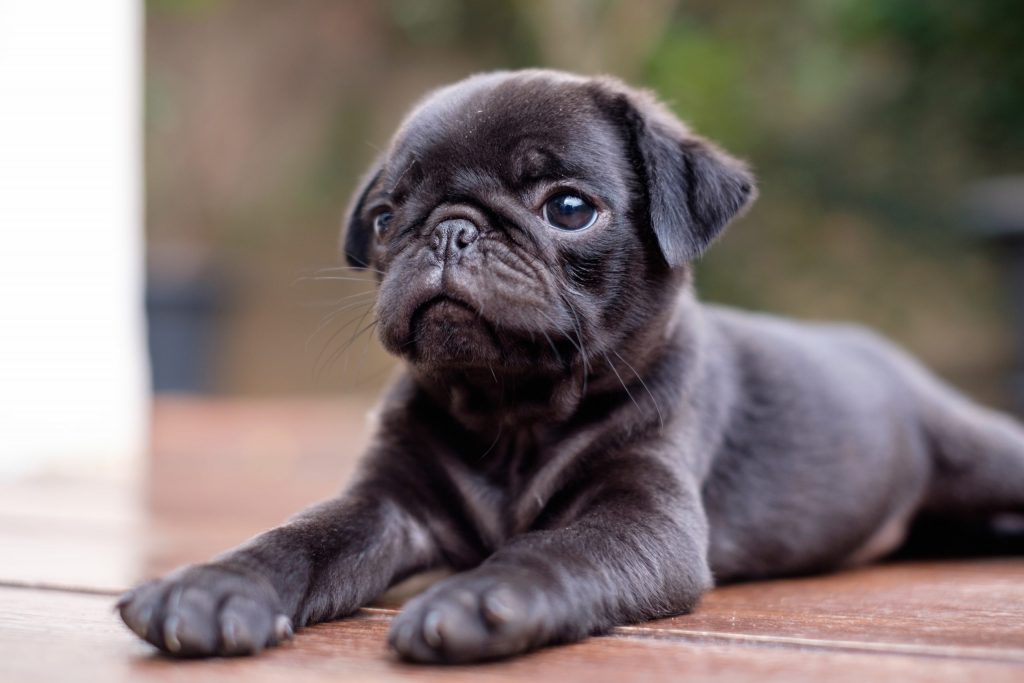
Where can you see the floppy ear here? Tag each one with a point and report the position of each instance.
(358, 237)
(693, 188)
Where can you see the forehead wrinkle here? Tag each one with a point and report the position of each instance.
(470, 181)
(535, 162)
(402, 176)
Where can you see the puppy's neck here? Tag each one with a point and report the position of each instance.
(485, 400)
(482, 400)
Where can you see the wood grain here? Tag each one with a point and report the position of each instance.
(976, 604)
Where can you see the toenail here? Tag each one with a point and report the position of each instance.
(499, 607)
(171, 634)
(432, 629)
(283, 627)
(229, 634)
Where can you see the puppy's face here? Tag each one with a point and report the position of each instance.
(529, 221)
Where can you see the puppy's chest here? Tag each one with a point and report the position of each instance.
(506, 489)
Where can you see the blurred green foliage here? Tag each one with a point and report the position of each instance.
(888, 105)
(964, 68)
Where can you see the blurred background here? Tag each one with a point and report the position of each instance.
(870, 123)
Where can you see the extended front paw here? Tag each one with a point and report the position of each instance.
(207, 610)
(471, 617)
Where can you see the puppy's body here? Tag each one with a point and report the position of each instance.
(844, 437)
(829, 491)
(576, 434)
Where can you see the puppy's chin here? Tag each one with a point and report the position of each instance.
(445, 332)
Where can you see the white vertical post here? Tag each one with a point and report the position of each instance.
(73, 380)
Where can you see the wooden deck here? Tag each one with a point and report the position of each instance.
(222, 471)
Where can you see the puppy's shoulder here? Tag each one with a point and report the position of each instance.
(771, 337)
(741, 324)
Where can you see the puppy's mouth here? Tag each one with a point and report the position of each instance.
(447, 330)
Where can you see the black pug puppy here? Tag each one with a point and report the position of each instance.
(575, 435)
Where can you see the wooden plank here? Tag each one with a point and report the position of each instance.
(255, 462)
(220, 472)
(56, 636)
(73, 533)
(972, 604)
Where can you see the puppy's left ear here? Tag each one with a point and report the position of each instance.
(358, 232)
(693, 188)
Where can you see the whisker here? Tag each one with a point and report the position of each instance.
(364, 358)
(351, 269)
(324, 278)
(553, 347)
(490, 448)
(330, 317)
(661, 418)
(355, 337)
(577, 323)
(408, 168)
(341, 351)
(619, 377)
(578, 327)
(317, 368)
(334, 302)
(366, 347)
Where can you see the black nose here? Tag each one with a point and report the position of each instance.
(451, 237)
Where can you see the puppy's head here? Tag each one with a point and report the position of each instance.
(533, 220)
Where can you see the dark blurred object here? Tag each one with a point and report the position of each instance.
(184, 296)
(945, 538)
(996, 208)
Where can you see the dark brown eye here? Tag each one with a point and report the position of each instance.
(380, 223)
(567, 211)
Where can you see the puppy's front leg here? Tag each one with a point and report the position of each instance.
(626, 555)
(325, 563)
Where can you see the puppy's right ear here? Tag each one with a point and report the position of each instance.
(692, 188)
(358, 238)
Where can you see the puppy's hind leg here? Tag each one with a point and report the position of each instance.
(978, 456)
